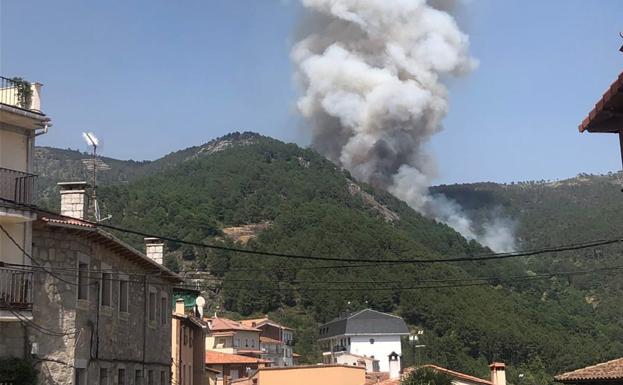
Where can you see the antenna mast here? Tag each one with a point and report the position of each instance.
(94, 164)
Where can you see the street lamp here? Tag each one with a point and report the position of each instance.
(414, 340)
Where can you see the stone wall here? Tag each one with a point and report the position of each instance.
(87, 335)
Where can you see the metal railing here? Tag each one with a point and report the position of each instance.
(17, 186)
(15, 288)
(15, 92)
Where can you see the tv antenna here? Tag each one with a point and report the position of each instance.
(94, 164)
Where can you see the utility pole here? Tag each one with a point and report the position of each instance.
(414, 340)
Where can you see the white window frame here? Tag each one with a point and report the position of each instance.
(123, 314)
(83, 259)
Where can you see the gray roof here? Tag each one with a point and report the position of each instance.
(364, 322)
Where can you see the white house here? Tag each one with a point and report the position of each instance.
(367, 333)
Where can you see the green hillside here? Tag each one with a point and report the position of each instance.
(306, 205)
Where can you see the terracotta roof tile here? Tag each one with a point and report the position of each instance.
(222, 324)
(611, 370)
(451, 373)
(607, 110)
(218, 358)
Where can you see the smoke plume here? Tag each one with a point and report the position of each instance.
(372, 72)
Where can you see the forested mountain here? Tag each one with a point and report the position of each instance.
(292, 200)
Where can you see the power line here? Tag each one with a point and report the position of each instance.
(475, 258)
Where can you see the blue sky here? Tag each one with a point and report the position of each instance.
(151, 77)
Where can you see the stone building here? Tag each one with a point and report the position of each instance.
(101, 308)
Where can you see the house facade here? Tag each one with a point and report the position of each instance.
(276, 341)
(367, 333)
(306, 375)
(233, 337)
(21, 120)
(187, 347)
(101, 312)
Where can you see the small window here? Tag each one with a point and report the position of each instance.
(163, 377)
(371, 340)
(83, 281)
(348, 341)
(103, 376)
(190, 339)
(123, 295)
(185, 333)
(150, 377)
(106, 289)
(152, 306)
(121, 376)
(183, 377)
(190, 374)
(164, 314)
(138, 377)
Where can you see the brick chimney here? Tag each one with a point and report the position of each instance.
(394, 365)
(74, 200)
(498, 373)
(154, 250)
(179, 306)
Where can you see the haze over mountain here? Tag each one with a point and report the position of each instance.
(269, 195)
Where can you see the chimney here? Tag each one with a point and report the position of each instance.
(154, 250)
(394, 365)
(498, 373)
(179, 306)
(74, 199)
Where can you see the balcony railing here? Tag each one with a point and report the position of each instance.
(17, 186)
(16, 92)
(15, 289)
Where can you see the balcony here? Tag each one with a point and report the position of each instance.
(20, 93)
(17, 186)
(15, 289)
(20, 104)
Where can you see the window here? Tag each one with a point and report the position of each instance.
(371, 340)
(103, 376)
(183, 375)
(83, 281)
(164, 314)
(150, 377)
(123, 294)
(190, 374)
(138, 377)
(348, 341)
(190, 339)
(81, 378)
(185, 334)
(121, 377)
(163, 377)
(106, 289)
(152, 306)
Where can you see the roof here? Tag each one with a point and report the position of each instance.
(451, 373)
(224, 324)
(607, 115)
(218, 358)
(191, 320)
(605, 371)
(266, 340)
(89, 230)
(257, 322)
(365, 322)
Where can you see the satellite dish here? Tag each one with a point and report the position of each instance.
(200, 302)
(91, 139)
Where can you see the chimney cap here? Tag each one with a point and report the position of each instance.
(150, 240)
(179, 300)
(78, 185)
(497, 365)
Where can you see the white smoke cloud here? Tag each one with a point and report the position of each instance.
(371, 74)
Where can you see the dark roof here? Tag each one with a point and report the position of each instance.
(606, 372)
(364, 322)
(607, 115)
